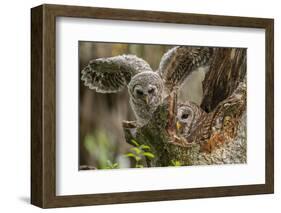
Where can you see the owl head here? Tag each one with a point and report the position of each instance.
(188, 114)
(146, 88)
(184, 119)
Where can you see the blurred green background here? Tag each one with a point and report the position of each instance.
(101, 141)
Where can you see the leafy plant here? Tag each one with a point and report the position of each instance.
(110, 165)
(139, 153)
(176, 163)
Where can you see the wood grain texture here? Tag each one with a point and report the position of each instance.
(36, 106)
(269, 104)
(227, 69)
(43, 105)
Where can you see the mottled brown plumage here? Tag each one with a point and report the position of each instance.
(213, 129)
(177, 64)
(146, 88)
(188, 117)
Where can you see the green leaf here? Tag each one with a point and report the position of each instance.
(176, 163)
(130, 155)
(138, 158)
(135, 143)
(136, 150)
(149, 155)
(110, 165)
(139, 166)
(144, 147)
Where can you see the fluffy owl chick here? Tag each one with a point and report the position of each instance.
(146, 93)
(188, 116)
(146, 87)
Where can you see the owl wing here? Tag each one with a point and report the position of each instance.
(179, 62)
(109, 75)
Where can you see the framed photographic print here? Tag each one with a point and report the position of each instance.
(136, 106)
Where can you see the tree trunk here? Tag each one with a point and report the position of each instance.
(217, 134)
(227, 69)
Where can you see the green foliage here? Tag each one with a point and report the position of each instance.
(100, 148)
(111, 165)
(140, 153)
(135, 143)
(176, 163)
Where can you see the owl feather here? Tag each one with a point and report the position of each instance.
(179, 62)
(110, 75)
(146, 87)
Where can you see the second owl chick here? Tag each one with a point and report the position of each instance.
(188, 117)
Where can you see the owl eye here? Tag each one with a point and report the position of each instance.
(139, 92)
(150, 91)
(184, 116)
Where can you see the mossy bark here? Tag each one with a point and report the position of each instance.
(226, 73)
(160, 135)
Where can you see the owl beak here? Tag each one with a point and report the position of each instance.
(146, 99)
(178, 125)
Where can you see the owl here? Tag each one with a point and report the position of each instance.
(147, 88)
(188, 117)
(213, 129)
